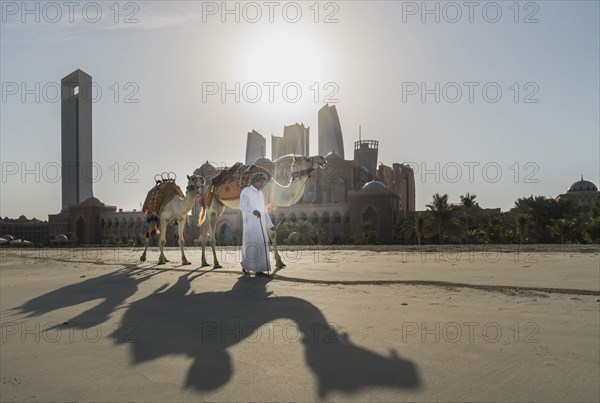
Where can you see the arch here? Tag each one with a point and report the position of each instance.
(314, 218)
(337, 217)
(109, 222)
(325, 218)
(102, 223)
(292, 217)
(303, 216)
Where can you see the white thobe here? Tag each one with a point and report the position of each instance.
(255, 239)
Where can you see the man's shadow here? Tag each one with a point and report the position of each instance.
(175, 320)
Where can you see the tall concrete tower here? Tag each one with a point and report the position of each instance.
(295, 140)
(76, 138)
(330, 132)
(256, 146)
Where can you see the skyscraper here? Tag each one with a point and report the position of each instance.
(256, 146)
(295, 140)
(76, 138)
(330, 132)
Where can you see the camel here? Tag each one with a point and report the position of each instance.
(288, 176)
(166, 203)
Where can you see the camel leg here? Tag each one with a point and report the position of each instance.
(146, 242)
(180, 228)
(213, 227)
(278, 262)
(203, 241)
(163, 240)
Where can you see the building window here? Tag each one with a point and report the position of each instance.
(325, 218)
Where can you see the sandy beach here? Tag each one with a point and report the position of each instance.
(394, 323)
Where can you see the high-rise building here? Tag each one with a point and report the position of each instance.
(295, 140)
(76, 138)
(365, 154)
(404, 186)
(330, 132)
(256, 147)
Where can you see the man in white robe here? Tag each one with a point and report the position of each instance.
(256, 222)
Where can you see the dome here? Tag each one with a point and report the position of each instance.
(373, 186)
(582, 185)
(60, 238)
(332, 155)
(263, 160)
(206, 170)
(92, 201)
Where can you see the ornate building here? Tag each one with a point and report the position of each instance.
(581, 192)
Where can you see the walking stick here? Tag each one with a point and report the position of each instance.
(262, 231)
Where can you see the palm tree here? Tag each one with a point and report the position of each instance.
(539, 211)
(440, 213)
(366, 234)
(305, 229)
(419, 227)
(562, 227)
(411, 227)
(592, 230)
(564, 208)
(522, 226)
(468, 202)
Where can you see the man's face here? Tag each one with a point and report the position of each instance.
(259, 184)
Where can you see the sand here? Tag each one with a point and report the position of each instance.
(348, 325)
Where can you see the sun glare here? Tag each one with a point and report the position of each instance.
(289, 56)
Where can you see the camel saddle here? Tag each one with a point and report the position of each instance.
(228, 184)
(158, 197)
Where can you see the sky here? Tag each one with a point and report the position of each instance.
(499, 99)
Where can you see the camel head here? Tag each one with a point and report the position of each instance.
(195, 184)
(290, 174)
(296, 167)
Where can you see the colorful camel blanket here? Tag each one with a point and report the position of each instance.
(158, 197)
(228, 184)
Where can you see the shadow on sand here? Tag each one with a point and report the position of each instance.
(175, 320)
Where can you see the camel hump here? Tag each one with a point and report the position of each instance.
(228, 184)
(158, 197)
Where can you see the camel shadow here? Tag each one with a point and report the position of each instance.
(203, 326)
(113, 288)
(175, 320)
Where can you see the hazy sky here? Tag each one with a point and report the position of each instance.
(371, 59)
